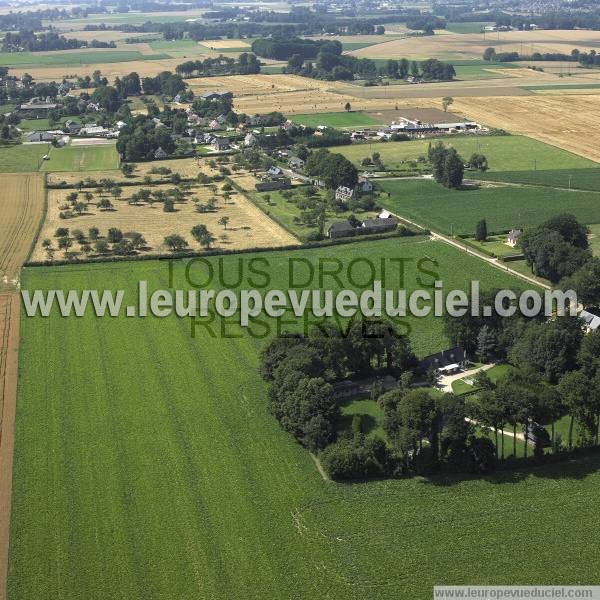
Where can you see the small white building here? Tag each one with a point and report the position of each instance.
(344, 194)
(512, 239)
(250, 140)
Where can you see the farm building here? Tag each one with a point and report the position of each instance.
(364, 186)
(378, 225)
(512, 239)
(271, 186)
(40, 136)
(340, 229)
(160, 154)
(215, 96)
(72, 127)
(250, 140)
(36, 108)
(275, 172)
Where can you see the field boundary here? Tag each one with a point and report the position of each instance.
(40, 226)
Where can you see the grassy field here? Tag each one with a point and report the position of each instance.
(82, 158)
(562, 86)
(580, 179)
(44, 124)
(336, 119)
(458, 211)
(22, 158)
(72, 58)
(504, 153)
(496, 244)
(148, 466)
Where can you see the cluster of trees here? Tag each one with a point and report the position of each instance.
(446, 164)
(332, 66)
(26, 40)
(586, 59)
(140, 138)
(166, 83)
(245, 64)
(285, 48)
(557, 248)
(300, 371)
(331, 168)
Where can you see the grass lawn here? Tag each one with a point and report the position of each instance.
(337, 119)
(461, 387)
(504, 153)
(371, 417)
(594, 238)
(284, 212)
(72, 58)
(496, 244)
(82, 158)
(28, 125)
(458, 211)
(147, 465)
(22, 158)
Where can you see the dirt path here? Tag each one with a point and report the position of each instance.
(9, 348)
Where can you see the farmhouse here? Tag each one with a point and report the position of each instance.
(71, 127)
(160, 154)
(250, 140)
(215, 96)
(296, 163)
(448, 361)
(364, 186)
(512, 239)
(275, 172)
(41, 136)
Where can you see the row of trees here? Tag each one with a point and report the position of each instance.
(27, 40)
(245, 64)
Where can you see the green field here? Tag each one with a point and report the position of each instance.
(148, 466)
(581, 179)
(22, 158)
(177, 48)
(82, 158)
(28, 125)
(458, 211)
(72, 58)
(336, 119)
(504, 153)
(559, 86)
(496, 244)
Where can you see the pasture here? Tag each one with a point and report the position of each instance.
(72, 58)
(99, 157)
(338, 120)
(22, 158)
(504, 153)
(160, 473)
(458, 211)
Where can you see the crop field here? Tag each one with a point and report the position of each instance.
(99, 157)
(469, 27)
(22, 158)
(472, 45)
(546, 118)
(458, 211)
(179, 483)
(577, 179)
(248, 226)
(21, 208)
(71, 58)
(504, 153)
(338, 120)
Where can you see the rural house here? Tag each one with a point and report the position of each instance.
(340, 229)
(364, 186)
(296, 163)
(446, 362)
(591, 322)
(378, 225)
(72, 127)
(159, 153)
(41, 136)
(513, 237)
(271, 186)
(220, 144)
(275, 172)
(250, 140)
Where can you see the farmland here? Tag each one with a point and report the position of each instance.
(504, 153)
(100, 157)
(458, 211)
(71, 58)
(22, 158)
(201, 494)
